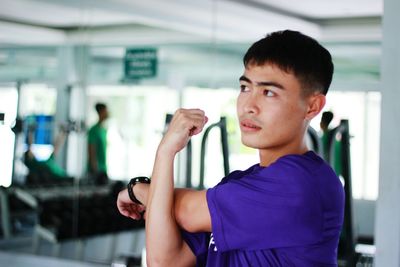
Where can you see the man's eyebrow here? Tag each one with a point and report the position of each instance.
(273, 84)
(244, 78)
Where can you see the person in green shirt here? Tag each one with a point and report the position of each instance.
(327, 132)
(97, 147)
(45, 171)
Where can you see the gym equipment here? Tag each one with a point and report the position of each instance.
(74, 212)
(316, 144)
(5, 214)
(16, 216)
(127, 261)
(12, 258)
(44, 171)
(338, 156)
(347, 242)
(225, 151)
(42, 126)
(340, 160)
(73, 126)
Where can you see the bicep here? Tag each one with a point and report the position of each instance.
(191, 210)
(183, 258)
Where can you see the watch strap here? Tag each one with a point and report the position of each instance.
(132, 183)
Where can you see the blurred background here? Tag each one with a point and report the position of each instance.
(143, 60)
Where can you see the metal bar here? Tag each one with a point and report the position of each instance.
(225, 151)
(224, 142)
(203, 153)
(5, 214)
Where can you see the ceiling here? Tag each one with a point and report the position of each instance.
(187, 33)
(108, 22)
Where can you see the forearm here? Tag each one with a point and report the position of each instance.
(93, 166)
(141, 191)
(92, 158)
(163, 237)
(190, 207)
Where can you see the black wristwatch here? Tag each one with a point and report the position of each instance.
(131, 184)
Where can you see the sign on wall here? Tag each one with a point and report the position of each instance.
(140, 63)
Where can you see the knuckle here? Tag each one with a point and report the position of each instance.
(179, 111)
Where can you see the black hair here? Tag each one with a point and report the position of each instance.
(294, 53)
(100, 107)
(326, 118)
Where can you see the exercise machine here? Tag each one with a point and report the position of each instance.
(224, 145)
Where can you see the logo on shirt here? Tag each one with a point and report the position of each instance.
(212, 243)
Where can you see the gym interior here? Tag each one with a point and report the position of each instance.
(145, 59)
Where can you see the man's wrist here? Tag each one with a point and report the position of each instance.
(140, 192)
(165, 151)
(131, 185)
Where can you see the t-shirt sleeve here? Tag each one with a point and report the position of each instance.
(270, 208)
(198, 243)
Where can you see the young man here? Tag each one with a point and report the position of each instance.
(97, 146)
(285, 211)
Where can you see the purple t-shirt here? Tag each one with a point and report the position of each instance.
(287, 214)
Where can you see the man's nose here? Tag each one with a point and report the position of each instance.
(251, 105)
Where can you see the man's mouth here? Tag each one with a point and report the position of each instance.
(249, 125)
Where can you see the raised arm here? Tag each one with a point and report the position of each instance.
(164, 243)
(60, 139)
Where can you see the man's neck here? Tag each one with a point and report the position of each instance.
(269, 156)
(100, 122)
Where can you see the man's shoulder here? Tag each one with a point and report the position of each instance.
(308, 162)
(92, 128)
(297, 171)
(307, 172)
(93, 133)
(238, 174)
(95, 129)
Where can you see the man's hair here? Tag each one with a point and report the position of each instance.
(295, 53)
(100, 107)
(326, 118)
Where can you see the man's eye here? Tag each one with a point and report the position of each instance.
(268, 93)
(243, 88)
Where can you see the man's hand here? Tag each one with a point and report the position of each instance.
(184, 124)
(128, 208)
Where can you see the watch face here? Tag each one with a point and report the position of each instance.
(141, 179)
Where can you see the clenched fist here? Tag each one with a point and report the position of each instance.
(184, 124)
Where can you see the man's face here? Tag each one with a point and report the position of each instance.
(271, 108)
(103, 114)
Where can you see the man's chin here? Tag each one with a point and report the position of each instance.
(250, 143)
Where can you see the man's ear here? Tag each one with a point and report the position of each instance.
(316, 103)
